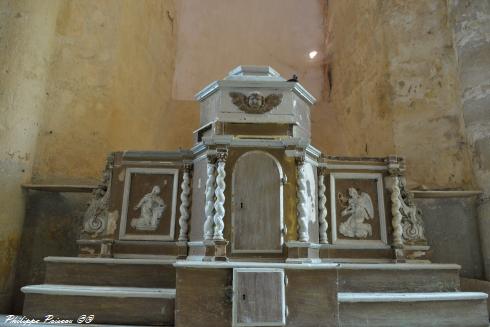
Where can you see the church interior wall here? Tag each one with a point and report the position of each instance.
(93, 77)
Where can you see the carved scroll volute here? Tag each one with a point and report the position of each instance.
(185, 202)
(403, 205)
(96, 217)
(322, 201)
(209, 205)
(219, 204)
(302, 212)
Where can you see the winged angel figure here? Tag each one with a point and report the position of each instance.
(255, 103)
(360, 208)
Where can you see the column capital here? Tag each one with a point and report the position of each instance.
(221, 155)
(396, 165)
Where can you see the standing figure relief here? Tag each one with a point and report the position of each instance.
(152, 208)
(359, 208)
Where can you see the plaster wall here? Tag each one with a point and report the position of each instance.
(394, 87)
(109, 86)
(471, 26)
(26, 43)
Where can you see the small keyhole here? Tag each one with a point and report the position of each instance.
(241, 205)
(243, 297)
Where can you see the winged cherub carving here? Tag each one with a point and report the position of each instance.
(360, 208)
(255, 103)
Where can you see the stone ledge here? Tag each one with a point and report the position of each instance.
(410, 297)
(103, 291)
(121, 261)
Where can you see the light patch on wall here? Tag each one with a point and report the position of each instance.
(215, 36)
(312, 54)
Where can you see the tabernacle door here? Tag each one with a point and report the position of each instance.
(257, 204)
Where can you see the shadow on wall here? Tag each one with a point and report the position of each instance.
(51, 228)
(451, 228)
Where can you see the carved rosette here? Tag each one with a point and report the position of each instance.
(209, 207)
(185, 202)
(302, 211)
(219, 208)
(322, 200)
(255, 103)
(96, 216)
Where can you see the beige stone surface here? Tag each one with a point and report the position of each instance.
(110, 81)
(394, 88)
(26, 42)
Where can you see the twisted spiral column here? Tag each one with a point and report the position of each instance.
(395, 211)
(219, 208)
(322, 200)
(184, 206)
(209, 207)
(302, 212)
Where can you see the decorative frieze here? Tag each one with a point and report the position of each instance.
(185, 202)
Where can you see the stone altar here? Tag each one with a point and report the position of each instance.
(254, 226)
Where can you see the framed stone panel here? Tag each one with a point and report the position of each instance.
(357, 209)
(149, 204)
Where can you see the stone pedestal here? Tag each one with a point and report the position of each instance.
(215, 250)
(303, 252)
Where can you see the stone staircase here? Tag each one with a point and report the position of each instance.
(407, 295)
(115, 291)
(143, 291)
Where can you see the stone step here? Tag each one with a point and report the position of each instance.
(442, 309)
(399, 277)
(108, 305)
(159, 273)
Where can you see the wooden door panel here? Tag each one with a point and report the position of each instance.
(257, 204)
(259, 297)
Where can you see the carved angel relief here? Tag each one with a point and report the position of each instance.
(359, 208)
(152, 208)
(412, 224)
(255, 103)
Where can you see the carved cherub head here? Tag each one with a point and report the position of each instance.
(255, 100)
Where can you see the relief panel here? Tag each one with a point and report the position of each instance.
(149, 204)
(357, 206)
